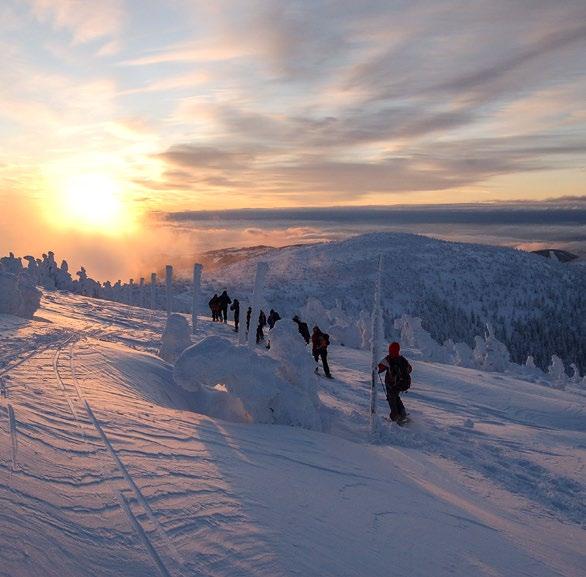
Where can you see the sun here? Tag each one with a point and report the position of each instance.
(93, 202)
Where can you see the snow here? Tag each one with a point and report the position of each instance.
(17, 296)
(176, 338)
(107, 468)
(244, 385)
(535, 305)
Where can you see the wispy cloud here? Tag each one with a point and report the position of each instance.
(86, 21)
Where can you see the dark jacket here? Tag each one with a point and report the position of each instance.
(397, 371)
(303, 330)
(224, 300)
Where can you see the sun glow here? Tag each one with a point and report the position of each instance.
(93, 202)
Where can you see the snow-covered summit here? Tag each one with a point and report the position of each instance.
(536, 306)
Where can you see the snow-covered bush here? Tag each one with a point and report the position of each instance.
(314, 313)
(17, 296)
(557, 372)
(176, 338)
(463, 355)
(345, 335)
(364, 325)
(415, 336)
(246, 385)
(575, 377)
(296, 366)
(490, 354)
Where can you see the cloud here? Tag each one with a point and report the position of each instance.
(420, 167)
(87, 21)
(195, 156)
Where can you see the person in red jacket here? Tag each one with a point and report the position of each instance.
(397, 380)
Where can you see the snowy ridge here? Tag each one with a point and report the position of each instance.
(106, 471)
(537, 307)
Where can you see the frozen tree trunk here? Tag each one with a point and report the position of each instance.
(169, 285)
(131, 292)
(141, 293)
(242, 336)
(197, 270)
(376, 336)
(257, 295)
(153, 291)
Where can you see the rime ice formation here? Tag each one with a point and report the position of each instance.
(176, 338)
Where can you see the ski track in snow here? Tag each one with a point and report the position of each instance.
(143, 537)
(13, 439)
(137, 493)
(487, 479)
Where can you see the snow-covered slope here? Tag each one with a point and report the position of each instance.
(536, 306)
(105, 470)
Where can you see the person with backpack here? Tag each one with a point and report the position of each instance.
(319, 348)
(224, 300)
(303, 329)
(397, 380)
(235, 306)
(262, 321)
(214, 307)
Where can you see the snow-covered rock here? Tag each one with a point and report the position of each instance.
(245, 385)
(176, 338)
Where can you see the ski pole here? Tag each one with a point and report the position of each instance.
(382, 385)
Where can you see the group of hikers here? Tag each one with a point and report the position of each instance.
(395, 366)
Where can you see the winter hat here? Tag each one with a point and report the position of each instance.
(394, 349)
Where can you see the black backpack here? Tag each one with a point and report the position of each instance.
(400, 375)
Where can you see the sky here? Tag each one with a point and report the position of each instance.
(116, 114)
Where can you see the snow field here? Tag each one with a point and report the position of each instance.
(106, 470)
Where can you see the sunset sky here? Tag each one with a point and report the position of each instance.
(114, 112)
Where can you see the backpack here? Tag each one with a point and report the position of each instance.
(399, 375)
(325, 339)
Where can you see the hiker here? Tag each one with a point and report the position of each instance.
(397, 380)
(248, 313)
(214, 307)
(320, 342)
(235, 306)
(274, 316)
(303, 329)
(262, 321)
(224, 300)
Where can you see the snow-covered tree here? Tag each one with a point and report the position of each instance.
(557, 372)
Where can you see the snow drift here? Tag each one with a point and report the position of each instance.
(243, 385)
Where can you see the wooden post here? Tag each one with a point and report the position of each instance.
(197, 270)
(376, 336)
(169, 285)
(153, 291)
(257, 297)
